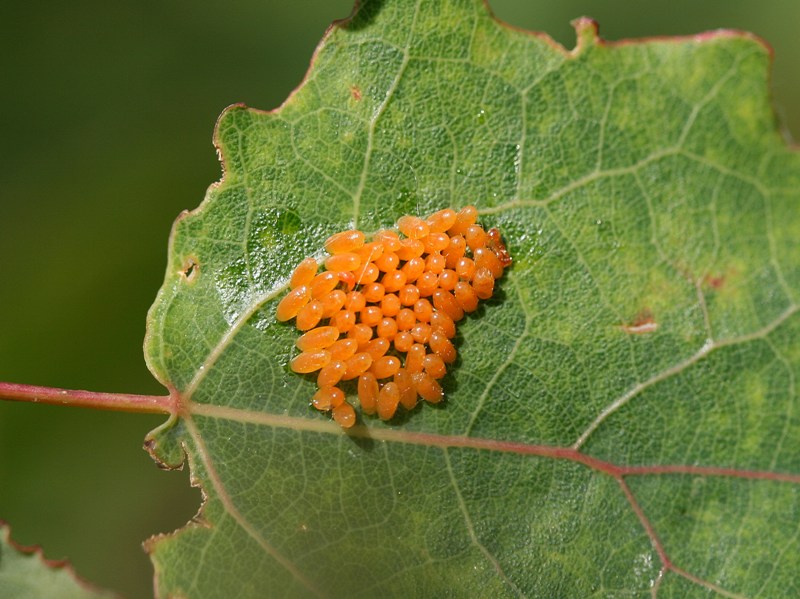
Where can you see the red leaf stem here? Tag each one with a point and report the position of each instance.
(120, 402)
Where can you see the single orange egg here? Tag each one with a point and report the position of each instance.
(324, 283)
(309, 315)
(331, 374)
(442, 220)
(388, 399)
(385, 367)
(346, 241)
(304, 273)
(427, 387)
(310, 361)
(368, 392)
(292, 303)
(318, 338)
(344, 415)
(405, 385)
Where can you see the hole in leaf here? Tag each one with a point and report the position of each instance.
(190, 269)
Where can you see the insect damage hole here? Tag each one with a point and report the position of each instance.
(190, 269)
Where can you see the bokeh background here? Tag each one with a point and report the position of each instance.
(107, 110)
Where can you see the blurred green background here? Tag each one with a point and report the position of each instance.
(107, 110)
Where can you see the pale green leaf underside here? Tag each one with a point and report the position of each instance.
(650, 319)
(26, 575)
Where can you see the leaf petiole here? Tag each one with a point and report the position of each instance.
(120, 402)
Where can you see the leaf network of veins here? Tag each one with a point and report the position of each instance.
(512, 204)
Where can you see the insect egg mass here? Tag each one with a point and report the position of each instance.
(383, 311)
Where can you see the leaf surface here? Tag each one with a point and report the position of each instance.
(623, 420)
(25, 574)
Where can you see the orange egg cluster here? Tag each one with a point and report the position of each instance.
(384, 311)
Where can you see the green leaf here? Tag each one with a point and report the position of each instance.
(624, 418)
(25, 574)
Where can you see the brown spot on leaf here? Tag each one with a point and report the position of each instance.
(643, 323)
(718, 280)
(715, 281)
(355, 92)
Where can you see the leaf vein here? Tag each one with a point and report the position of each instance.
(701, 353)
(230, 507)
(471, 528)
(362, 181)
